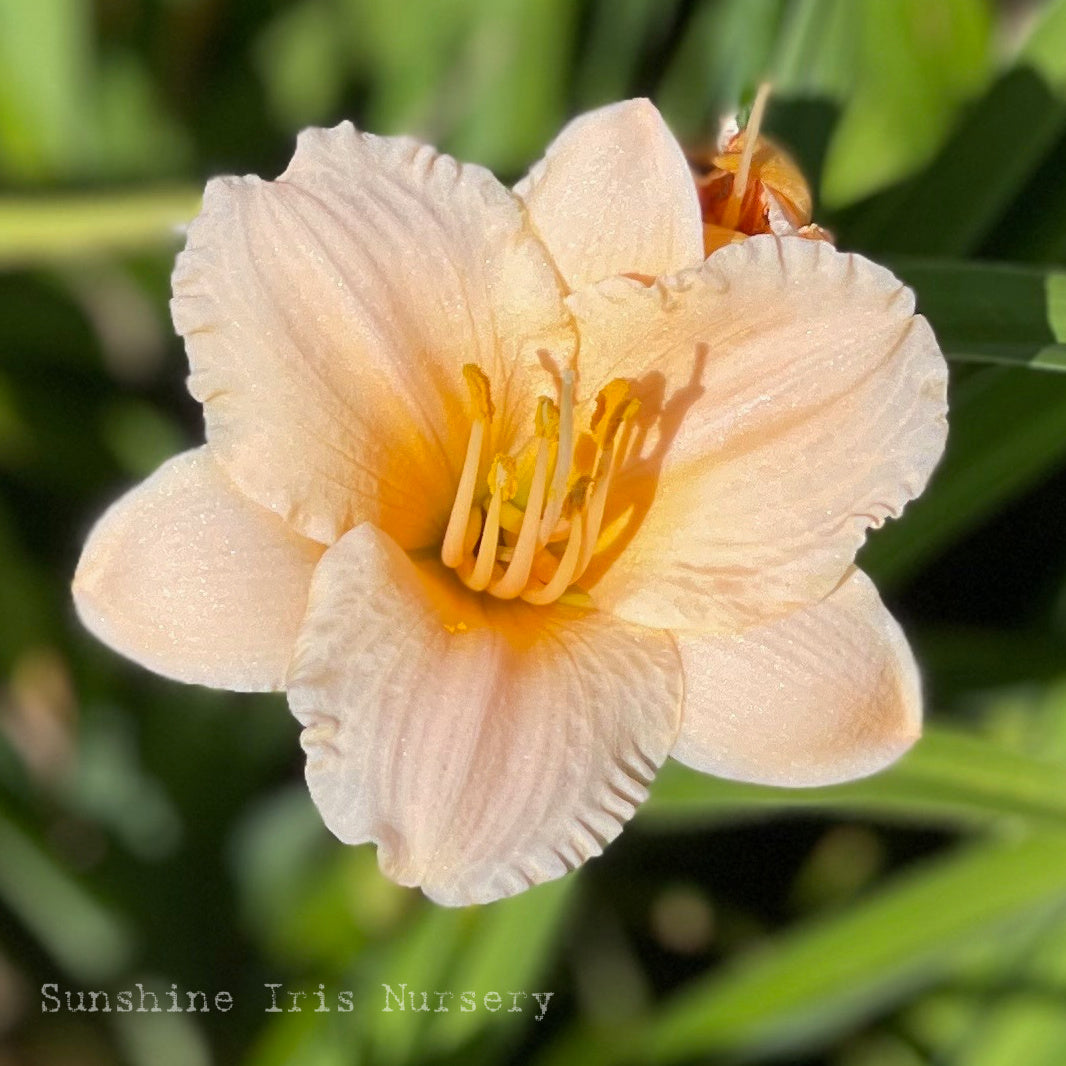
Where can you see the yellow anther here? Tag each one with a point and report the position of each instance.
(576, 497)
(480, 394)
(547, 419)
(614, 405)
(502, 477)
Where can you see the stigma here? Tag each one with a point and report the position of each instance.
(528, 525)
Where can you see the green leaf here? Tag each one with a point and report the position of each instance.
(300, 62)
(978, 175)
(89, 940)
(509, 87)
(507, 952)
(408, 51)
(1007, 429)
(45, 83)
(1026, 1024)
(948, 777)
(619, 33)
(724, 53)
(1045, 50)
(417, 962)
(917, 63)
(824, 975)
(815, 54)
(36, 230)
(992, 313)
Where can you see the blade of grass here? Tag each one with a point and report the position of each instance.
(978, 174)
(724, 54)
(948, 777)
(87, 939)
(916, 65)
(507, 954)
(36, 230)
(817, 978)
(1007, 430)
(992, 312)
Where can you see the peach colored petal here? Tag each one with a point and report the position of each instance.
(485, 746)
(791, 401)
(189, 578)
(824, 695)
(615, 195)
(328, 315)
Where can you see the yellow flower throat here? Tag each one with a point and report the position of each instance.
(529, 527)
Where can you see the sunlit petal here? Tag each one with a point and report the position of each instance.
(614, 195)
(191, 579)
(327, 317)
(826, 694)
(485, 746)
(791, 401)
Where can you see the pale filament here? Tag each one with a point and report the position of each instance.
(501, 479)
(564, 573)
(560, 502)
(454, 546)
(557, 492)
(594, 514)
(515, 579)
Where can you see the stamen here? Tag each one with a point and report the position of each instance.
(502, 484)
(563, 458)
(613, 407)
(622, 412)
(567, 568)
(751, 136)
(514, 580)
(537, 499)
(594, 519)
(453, 549)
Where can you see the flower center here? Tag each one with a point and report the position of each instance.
(529, 527)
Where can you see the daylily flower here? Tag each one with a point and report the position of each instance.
(516, 495)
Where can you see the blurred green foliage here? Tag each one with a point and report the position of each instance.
(157, 833)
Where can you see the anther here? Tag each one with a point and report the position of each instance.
(478, 384)
(614, 405)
